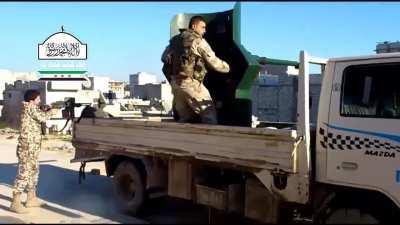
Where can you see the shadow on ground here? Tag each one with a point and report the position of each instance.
(168, 210)
(60, 186)
(95, 196)
(10, 220)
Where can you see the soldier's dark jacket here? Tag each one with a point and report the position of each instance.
(188, 54)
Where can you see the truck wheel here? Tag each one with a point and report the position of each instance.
(129, 187)
(349, 216)
(348, 210)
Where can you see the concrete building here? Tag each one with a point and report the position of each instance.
(127, 90)
(9, 77)
(13, 95)
(386, 47)
(117, 87)
(145, 86)
(278, 70)
(100, 83)
(274, 94)
(155, 92)
(141, 78)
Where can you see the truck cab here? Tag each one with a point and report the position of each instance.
(357, 144)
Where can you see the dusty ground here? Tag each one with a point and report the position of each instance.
(66, 200)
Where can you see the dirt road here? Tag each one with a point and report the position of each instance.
(66, 200)
(92, 201)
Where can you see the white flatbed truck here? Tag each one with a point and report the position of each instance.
(346, 169)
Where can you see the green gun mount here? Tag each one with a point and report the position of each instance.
(231, 92)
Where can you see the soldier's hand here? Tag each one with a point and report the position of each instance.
(45, 108)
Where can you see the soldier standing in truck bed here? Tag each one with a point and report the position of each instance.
(185, 60)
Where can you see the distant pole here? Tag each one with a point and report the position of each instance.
(62, 28)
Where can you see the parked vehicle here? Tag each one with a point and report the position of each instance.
(344, 169)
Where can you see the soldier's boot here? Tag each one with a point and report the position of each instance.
(32, 200)
(16, 205)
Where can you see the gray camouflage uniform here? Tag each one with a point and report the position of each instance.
(28, 147)
(191, 97)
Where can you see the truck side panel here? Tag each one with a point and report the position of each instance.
(254, 148)
(362, 144)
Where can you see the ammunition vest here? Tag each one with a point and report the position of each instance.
(184, 62)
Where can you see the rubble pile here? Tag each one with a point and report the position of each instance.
(7, 130)
(9, 133)
(57, 145)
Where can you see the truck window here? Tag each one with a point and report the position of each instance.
(371, 91)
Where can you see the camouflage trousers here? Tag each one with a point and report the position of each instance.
(28, 167)
(193, 100)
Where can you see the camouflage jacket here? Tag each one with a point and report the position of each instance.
(31, 117)
(199, 49)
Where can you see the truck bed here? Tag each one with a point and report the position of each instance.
(251, 148)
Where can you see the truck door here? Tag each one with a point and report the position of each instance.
(362, 135)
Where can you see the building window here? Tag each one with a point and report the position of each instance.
(371, 91)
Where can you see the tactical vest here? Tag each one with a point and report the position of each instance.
(184, 62)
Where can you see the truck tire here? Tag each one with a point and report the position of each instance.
(349, 216)
(338, 212)
(129, 187)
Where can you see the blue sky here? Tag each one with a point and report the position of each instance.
(128, 37)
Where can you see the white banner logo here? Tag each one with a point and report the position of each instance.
(62, 45)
